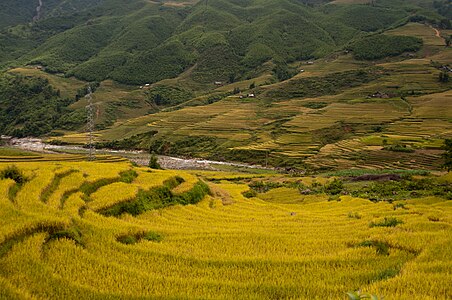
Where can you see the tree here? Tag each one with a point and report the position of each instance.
(444, 77)
(447, 155)
(153, 162)
(448, 41)
(232, 78)
(252, 85)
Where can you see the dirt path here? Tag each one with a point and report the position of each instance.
(437, 32)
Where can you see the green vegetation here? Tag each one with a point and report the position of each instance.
(444, 77)
(380, 46)
(163, 95)
(89, 188)
(13, 172)
(316, 105)
(387, 222)
(399, 148)
(144, 42)
(158, 198)
(447, 154)
(31, 107)
(153, 162)
(378, 188)
(131, 239)
(320, 86)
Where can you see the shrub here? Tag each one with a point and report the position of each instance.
(130, 239)
(315, 105)
(13, 172)
(128, 176)
(153, 162)
(335, 187)
(399, 148)
(444, 77)
(382, 248)
(250, 193)
(127, 239)
(447, 154)
(71, 234)
(387, 222)
(153, 237)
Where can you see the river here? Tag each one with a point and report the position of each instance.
(139, 157)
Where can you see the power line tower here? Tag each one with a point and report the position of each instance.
(90, 123)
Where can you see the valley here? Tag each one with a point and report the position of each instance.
(225, 149)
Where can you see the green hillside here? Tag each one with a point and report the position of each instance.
(137, 42)
(334, 84)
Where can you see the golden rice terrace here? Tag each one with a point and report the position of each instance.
(101, 230)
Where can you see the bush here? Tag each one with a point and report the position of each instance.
(315, 105)
(399, 148)
(382, 248)
(153, 237)
(387, 222)
(153, 162)
(335, 187)
(130, 239)
(250, 194)
(447, 154)
(159, 197)
(71, 234)
(13, 172)
(444, 77)
(127, 239)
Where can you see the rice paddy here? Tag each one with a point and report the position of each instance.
(57, 241)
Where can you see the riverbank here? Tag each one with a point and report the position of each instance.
(138, 157)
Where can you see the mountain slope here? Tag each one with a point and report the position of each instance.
(137, 42)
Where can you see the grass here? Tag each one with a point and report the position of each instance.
(7, 151)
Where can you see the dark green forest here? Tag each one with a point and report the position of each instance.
(137, 42)
(31, 107)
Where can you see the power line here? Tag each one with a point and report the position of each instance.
(90, 123)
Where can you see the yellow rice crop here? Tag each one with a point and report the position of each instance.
(279, 245)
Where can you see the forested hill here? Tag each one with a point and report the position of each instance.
(136, 42)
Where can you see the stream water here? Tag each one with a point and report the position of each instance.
(139, 157)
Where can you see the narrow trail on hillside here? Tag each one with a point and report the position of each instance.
(437, 32)
(38, 11)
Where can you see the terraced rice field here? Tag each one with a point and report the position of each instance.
(60, 238)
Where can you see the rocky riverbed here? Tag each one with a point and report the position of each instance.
(139, 157)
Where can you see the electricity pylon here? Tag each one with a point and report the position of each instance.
(90, 123)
